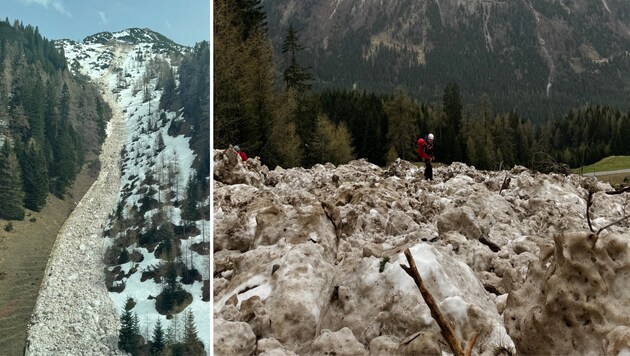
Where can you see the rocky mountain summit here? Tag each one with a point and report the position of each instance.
(307, 261)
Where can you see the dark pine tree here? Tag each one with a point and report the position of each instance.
(451, 142)
(295, 76)
(190, 211)
(169, 100)
(11, 193)
(252, 16)
(66, 149)
(158, 342)
(194, 346)
(34, 176)
(129, 333)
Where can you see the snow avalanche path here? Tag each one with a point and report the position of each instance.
(74, 314)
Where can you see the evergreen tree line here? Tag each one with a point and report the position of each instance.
(194, 95)
(41, 107)
(283, 126)
(171, 342)
(294, 126)
(387, 126)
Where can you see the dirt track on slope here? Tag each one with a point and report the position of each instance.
(24, 253)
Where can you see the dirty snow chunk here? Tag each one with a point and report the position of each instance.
(341, 342)
(585, 284)
(501, 301)
(383, 345)
(262, 291)
(390, 300)
(420, 343)
(618, 341)
(462, 220)
(299, 289)
(250, 284)
(233, 338)
(272, 347)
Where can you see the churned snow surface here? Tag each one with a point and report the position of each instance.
(73, 313)
(307, 261)
(74, 301)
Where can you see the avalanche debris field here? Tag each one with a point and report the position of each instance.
(24, 252)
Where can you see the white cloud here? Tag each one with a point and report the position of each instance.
(103, 18)
(55, 4)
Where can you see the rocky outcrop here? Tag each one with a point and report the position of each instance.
(310, 258)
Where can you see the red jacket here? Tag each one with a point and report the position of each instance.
(243, 155)
(425, 149)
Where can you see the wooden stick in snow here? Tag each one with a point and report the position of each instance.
(445, 326)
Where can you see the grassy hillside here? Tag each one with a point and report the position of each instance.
(611, 163)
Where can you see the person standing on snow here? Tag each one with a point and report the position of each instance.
(425, 152)
(240, 153)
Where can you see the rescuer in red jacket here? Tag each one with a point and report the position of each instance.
(240, 153)
(425, 152)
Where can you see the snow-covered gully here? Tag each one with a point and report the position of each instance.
(74, 314)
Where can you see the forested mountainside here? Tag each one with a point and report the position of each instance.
(157, 236)
(49, 120)
(288, 123)
(536, 57)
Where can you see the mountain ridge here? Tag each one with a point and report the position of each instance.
(554, 53)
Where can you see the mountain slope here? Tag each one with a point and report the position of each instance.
(535, 56)
(134, 67)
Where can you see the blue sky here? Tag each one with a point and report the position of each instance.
(184, 21)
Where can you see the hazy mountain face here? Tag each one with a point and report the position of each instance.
(553, 53)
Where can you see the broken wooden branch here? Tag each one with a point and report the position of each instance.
(445, 326)
(611, 224)
(471, 343)
(619, 191)
(589, 202)
(506, 183)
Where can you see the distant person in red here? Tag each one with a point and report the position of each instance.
(425, 152)
(240, 153)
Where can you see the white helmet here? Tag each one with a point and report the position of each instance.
(430, 136)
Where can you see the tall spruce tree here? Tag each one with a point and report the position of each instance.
(402, 130)
(129, 332)
(194, 346)
(189, 208)
(252, 17)
(228, 101)
(65, 148)
(11, 191)
(295, 76)
(35, 176)
(452, 142)
(158, 342)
